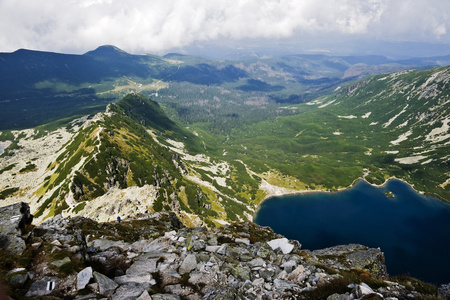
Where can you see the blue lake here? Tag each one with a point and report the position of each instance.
(412, 230)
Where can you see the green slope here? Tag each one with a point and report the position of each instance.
(384, 126)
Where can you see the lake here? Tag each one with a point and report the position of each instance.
(412, 230)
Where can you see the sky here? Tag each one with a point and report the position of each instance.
(159, 26)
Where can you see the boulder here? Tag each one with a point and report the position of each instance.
(282, 243)
(42, 287)
(15, 220)
(189, 264)
(83, 278)
(106, 286)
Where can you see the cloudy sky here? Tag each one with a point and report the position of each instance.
(157, 26)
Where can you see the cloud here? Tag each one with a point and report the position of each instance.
(159, 25)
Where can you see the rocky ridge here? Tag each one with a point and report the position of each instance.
(155, 256)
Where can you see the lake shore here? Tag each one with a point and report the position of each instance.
(275, 191)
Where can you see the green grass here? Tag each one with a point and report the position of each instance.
(8, 192)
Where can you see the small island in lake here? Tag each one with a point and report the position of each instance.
(389, 194)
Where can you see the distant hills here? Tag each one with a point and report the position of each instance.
(38, 87)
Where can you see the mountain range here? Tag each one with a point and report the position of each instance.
(222, 136)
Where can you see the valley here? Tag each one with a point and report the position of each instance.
(211, 156)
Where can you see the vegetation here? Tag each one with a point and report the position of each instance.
(8, 192)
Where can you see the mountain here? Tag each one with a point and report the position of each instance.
(392, 125)
(39, 87)
(129, 160)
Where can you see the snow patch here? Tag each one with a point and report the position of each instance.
(365, 116)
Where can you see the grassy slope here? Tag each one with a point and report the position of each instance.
(322, 148)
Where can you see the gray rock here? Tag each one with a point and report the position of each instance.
(143, 265)
(42, 287)
(282, 243)
(83, 278)
(144, 296)
(267, 273)
(165, 297)
(189, 264)
(346, 296)
(61, 262)
(223, 249)
(178, 289)
(104, 244)
(257, 262)
(212, 249)
(243, 241)
(18, 280)
(141, 278)
(170, 276)
(363, 289)
(444, 291)
(14, 221)
(106, 286)
(289, 266)
(283, 284)
(128, 291)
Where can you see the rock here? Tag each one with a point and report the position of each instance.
(244, 241)
(223, 249)
(282, 243)
(42, 287)
(289, 266)
(143, 265)
(189, 264)
(60, 263)
(15, 221)
(18, 280)
(363, 289)
(444, 291)
(165, 297)
(257, 262)
(144, 296)
(83, 278)
(129, 290)
(141, 278)
(346, 296)
(106, 286)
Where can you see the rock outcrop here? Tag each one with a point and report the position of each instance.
(156, 257)
(15, 221)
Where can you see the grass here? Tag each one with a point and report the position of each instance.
(8, 192)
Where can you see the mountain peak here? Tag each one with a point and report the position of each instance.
(107, 51)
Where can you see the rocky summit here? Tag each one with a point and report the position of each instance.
(155, 256)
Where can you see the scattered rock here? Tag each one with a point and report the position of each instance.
(156, 258)
(444, 291)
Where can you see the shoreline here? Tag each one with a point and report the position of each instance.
(303, 192)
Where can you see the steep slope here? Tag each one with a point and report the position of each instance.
(385, 126)
(130, 160)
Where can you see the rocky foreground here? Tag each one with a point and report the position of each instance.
(156, 257)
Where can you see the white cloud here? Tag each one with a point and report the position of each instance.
(158, 25)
